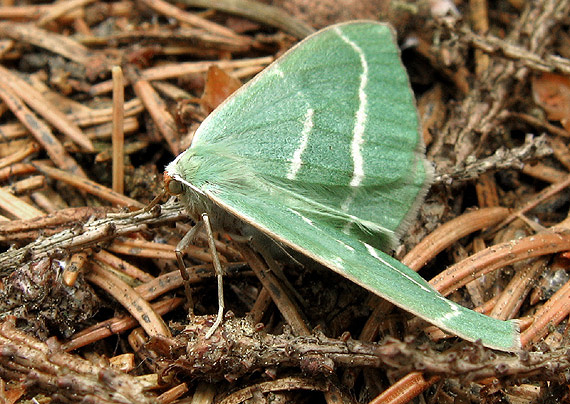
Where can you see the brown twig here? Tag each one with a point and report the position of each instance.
(258, 12)
(59, 9)
(30, 229)
(149, 249)
(26, 185)
(498, 256)
(45, 367)
(173, 393)
(185, 17)
(87, 185)
(90, 233)
(94, 63)
(284, 384)
(42, 133)
(502, 159)
(535, 201)
(492, 44)
(77, 263)
(550, 314)
(157, 109)
(116, 325)
(19, 155)
(450, 232)
(172, 70)
(288, 308)
(118, 135)
(123, 266)
(15, 170)
(511, 299)
(17, 207)
(139, 308)
(405, 389)
(238, 348)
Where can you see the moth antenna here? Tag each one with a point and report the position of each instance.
(146, 209)
(154, 201)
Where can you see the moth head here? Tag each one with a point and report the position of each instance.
(172, 185)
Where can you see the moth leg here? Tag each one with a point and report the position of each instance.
(219, 275)
(179, 250)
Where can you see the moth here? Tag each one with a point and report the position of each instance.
(322, 152)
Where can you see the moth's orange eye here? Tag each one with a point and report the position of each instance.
(172, 186)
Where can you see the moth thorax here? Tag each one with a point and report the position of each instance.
(221, 220)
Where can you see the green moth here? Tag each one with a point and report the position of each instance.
(322, 153)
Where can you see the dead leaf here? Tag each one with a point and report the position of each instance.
(552, 93)
(219, 86)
